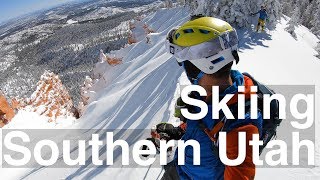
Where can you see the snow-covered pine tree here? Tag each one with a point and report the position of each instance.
(238, 11)
(211, 8)
(224, 10)
(318, 50)
(294, 21)
(181, 2)
(235, 11)
(199, 8)
(307, 13)
(287, 7)
(187, 3)
(304, 14)
(168, 4)
(274, 10)
(195, 6)
(316, 20)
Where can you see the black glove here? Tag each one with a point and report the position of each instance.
(154, 141)
(168, 132)
(164, 131)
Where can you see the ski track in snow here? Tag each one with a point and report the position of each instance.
(141, 92)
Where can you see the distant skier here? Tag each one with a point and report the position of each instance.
(263, 17)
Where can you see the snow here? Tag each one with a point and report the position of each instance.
(304, 34)
(115, 33)
(76, 47)
(32, 120)
(53, 16)
(141, 92)
(283, 54)
(70, 21)
(279, 59)
(9, 59)
(145, 7)
(43, 31)
(102, 12)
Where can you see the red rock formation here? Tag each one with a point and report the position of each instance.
(131, 25)
(51, 97)
(6, 111)
(131, 39)
(147, 29)
(113, 61)
(18, 103)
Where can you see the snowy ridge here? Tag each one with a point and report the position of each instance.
(145, 75)
(102, 12)
(136, 95)
(140, 92)
(48, 107)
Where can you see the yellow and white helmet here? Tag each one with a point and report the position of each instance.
(207, 43)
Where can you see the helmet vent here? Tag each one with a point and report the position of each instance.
(217, 60)
(177, 35)
(188, 31)
(204, 31)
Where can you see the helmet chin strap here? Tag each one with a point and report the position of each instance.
(196, 80)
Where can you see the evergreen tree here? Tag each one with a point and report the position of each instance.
(211, 8)
(195, 6)
(316, 20)
(294, 21)
(307, 15)
(274, 10)
(287, 7)
(306, 12)
(303, 5)
(238, 11)
(318, 50)
(181, 2)
(199, 7)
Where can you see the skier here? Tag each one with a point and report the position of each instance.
(206, 48)
(263, 17)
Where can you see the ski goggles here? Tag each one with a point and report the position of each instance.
(224, 41)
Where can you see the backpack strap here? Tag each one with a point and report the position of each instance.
(212, 133)
(220, 126)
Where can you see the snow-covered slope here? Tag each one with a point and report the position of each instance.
(140, 92)
(276, 58)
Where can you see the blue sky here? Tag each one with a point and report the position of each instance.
(14, 8)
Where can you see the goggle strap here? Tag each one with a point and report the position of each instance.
(200, 75)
